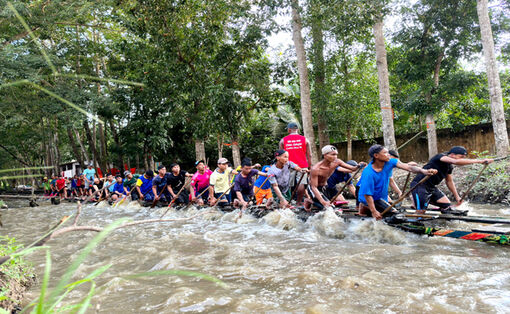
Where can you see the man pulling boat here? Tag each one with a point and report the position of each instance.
(281, 176)
(375, 179)
(319, 175)
(176, 180)
(219, 183)
(243, 183)
(428, 193)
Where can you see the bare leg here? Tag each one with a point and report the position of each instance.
(300, 193)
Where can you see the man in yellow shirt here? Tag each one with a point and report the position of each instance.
(219, 183)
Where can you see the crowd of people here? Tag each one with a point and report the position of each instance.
(289, 177)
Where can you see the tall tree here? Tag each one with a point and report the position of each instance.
(304, 82)
(496, 97)
(384, 85)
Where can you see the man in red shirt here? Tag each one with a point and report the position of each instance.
(299, 151)
(61, 187)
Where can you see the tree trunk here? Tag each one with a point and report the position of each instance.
(199, 149)
(102, 141)
(220, 146)
(120, 157)
(85, 155)
(349, 144)
(236, 152)
(57, 152)
(384, 86)
(320, 97)
(429, 118)
(431, 135)
(92, 143)
(304, 83)
(497, 110)
(74, 147)
(146, 159)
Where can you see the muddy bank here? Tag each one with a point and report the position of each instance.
(492, 187)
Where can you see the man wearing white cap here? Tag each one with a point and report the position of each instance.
(319, 175)
(219, 183)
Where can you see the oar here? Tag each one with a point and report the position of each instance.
(260, 188)
(159, 196)
(296, 188)
(345, 185)
(473, 183)
(219, 198)
(405, 183)
(176, 197)
(462, 218)
(198, 196)
(400, 199)
(124, 197)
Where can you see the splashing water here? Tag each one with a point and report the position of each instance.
(329, 224)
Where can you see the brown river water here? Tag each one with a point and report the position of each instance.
(272, 265)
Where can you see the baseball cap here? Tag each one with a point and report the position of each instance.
(292, 125)
(375, 149)
(328, 149)
(280, 152)
(458, 150)
(222, 161)
(126, 173)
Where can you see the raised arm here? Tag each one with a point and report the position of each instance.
(465, 161)
(416, 169)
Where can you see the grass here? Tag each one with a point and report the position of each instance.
(16, 275)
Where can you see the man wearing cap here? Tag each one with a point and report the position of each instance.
(159, 185)
(428, 193)
(299, 151)
(144, 186)
(219, 183)
(340, 175)
(374, 182)
(319, 175)
(129, 184)
(176, 180)
(46, 186)
(200, 183)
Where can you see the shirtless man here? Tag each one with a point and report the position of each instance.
(319, 175)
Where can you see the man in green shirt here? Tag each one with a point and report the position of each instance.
(129, 184)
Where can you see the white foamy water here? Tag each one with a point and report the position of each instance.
(274, 264)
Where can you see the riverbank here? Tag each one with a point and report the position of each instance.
(492, 187)
(16, 276)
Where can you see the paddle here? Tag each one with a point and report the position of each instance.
(405, 183)
(400, 199)
(296, 188)
(198, 196)
(176, 197)
(345, 185)
(462, 218)
(486, 164)
(156, 200)
(219, 198)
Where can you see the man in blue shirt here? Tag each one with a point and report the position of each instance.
(373, 192)
(89, 175)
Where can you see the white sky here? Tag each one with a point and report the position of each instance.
(282, 41)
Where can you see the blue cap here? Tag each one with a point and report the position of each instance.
(292, 125)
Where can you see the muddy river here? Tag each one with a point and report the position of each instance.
(274, 264)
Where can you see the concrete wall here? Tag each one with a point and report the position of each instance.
(475, 138)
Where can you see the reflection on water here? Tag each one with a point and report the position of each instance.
(274, 264)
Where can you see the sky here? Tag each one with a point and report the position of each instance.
(282, 41)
